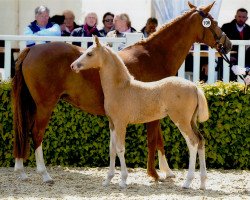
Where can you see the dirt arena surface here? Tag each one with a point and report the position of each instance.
(86, 183)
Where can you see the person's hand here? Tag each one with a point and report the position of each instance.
(238, 70)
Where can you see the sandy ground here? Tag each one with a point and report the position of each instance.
(86, 183)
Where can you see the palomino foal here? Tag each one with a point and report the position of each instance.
(128, 101)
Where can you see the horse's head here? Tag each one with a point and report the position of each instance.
(210, 32)
(91, 58)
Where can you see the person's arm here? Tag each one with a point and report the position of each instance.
(28, 31)
(55, 30)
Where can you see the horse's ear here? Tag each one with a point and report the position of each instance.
(97, 42)
(191, 5)
(208, 8)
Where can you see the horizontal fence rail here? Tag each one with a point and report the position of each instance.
(20, 40)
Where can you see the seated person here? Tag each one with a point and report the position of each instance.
(41, 25)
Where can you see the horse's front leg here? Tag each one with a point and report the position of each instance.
(20, 169)
(119, 139)
(41, 169)
(112, 155)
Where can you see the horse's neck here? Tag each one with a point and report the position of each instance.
(175, 40)
(114, 73)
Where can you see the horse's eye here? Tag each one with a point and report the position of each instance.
(89, 54)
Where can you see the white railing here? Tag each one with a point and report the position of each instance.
(129, 40)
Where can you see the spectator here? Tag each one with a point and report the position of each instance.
(69, 22)
(41, 25)
(237, 30)
(59, 19)
(107, 21)
(122, 25)
(150, 27)
(88, 29)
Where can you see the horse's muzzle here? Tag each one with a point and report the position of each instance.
(224, 44)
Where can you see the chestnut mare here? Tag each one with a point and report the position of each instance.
(43, 76)
(128, 101)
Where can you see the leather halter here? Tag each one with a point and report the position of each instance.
(218, 42)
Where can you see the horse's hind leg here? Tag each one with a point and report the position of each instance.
(155, 141)
(20, 169)
(163, 164)
(41, 121)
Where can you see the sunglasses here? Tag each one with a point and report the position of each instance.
(108, 20)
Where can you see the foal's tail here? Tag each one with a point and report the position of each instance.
(203, 113)
(24, 108)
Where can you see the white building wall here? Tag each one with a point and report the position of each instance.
(16, 14)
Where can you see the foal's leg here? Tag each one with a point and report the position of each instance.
(112, 154)
(119, 138)
(201, 153)
(192, 143)
(203, 171)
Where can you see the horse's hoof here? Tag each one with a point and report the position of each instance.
(49, 182)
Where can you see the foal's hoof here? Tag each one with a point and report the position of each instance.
(123, 185)
(170, 175)
(105, 183)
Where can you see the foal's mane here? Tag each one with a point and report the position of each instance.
(118, 61)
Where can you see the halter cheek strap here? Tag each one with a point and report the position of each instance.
(219, 44)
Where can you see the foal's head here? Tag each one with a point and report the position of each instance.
(93, 57)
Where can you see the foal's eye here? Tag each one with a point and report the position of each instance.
(89, 54)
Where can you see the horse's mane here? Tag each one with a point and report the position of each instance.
(164, 26)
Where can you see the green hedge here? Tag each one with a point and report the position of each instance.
(75, 138)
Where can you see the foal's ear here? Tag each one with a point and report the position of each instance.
(97, 41)
(191, 5)
(208, 8)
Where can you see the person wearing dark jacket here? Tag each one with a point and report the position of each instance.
(88, 29)
(69, 22)
(41, 26)
(237, 29)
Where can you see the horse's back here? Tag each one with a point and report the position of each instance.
(47, 73)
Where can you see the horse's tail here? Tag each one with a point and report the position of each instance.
(24, 108)
(203, 113)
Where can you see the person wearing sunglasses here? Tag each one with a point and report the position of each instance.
(107, 21)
